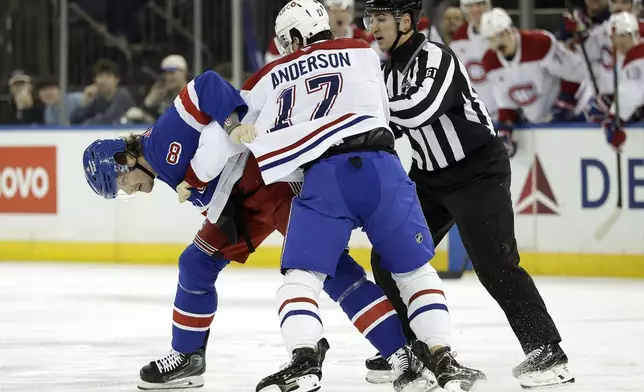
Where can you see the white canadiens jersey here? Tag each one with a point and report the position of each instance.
(307, 101)
(470, 47)
(531, 81)
(599, 48)
(630, 78)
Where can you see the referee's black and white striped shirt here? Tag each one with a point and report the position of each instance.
(432, 101)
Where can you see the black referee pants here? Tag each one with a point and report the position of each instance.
(475, 194)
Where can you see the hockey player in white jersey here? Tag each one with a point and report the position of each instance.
(599, 46)
(470, 47)
(323, 108)
(535, 78)
(628, 104)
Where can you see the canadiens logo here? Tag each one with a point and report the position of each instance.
(607, 60)
(523, 95)
(476, 71)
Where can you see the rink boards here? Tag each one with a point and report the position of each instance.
(564, 188)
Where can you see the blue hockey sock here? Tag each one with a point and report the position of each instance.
(191, 318)
(195, 302)
(366, 305)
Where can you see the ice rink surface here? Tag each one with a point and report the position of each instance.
(75, 327)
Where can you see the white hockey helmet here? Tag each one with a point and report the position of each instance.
(495, 21)
(624, 23)
(343, 4)
(636, 6)
(470, 2)
(308, 17)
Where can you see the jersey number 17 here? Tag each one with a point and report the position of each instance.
(331, 83)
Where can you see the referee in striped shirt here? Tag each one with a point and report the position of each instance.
(462, 174)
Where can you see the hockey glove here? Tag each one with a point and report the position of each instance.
(598, 108)
(577, 25)
(615, 136)
(564, 108)
(505, 131)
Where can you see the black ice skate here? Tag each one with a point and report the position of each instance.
(175, 371)
(302, 374)
(451, 375)
(409, 373)
(546, 366)
(378, 370)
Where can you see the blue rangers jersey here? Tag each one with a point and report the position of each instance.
(188, 141)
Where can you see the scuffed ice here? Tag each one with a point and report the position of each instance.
(76, 328)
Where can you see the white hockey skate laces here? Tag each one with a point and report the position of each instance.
(169, 362)
(399, 362)
(534, 353)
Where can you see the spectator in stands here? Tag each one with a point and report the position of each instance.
(163, 92)
(49, 94)
(452, 19)
(104, 102)
(25, 107)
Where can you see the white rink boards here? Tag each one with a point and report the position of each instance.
(77, 327)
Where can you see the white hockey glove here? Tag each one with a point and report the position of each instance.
(243, 133)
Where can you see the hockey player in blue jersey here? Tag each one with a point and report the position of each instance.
(189, 145)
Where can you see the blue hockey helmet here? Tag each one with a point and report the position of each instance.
(100, 167)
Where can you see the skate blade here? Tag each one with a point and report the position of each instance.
(184, 383)
(430, 379)
(465, 386)
(308, 383)
(553, 377)
(379, 376)
(421, 385)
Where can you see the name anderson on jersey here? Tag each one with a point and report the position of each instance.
(310, 64)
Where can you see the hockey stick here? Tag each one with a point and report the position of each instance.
(601, 232)
(605, 228)
(430, 17)
(589, 67)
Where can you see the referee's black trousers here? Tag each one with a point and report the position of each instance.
(475, 194)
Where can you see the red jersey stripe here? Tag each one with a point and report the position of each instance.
(304, 139)
(190, 107)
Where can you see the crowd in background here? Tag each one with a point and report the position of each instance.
(109, 101)
(104, 102)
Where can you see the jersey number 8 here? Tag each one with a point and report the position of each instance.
(174, 152)
(331, 83)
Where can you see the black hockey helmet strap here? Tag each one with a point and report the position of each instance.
(144, 170)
